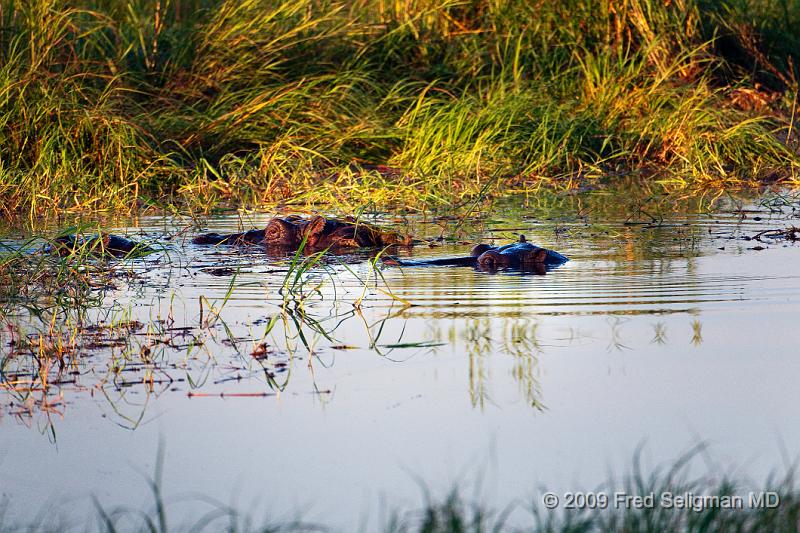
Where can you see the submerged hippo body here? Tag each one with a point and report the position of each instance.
(520, 255)
(104, 244)
(247, 237)
(319, 233)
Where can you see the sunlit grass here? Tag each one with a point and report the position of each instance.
(123, 105)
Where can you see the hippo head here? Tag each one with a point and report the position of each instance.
(521, 254)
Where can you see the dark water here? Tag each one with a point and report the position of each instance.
(663, 330)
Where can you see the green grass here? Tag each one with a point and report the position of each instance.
(116, 105)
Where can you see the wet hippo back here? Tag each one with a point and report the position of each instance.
(254, 236)
(519, 255)
(103, 244)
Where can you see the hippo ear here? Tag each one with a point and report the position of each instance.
(479, 249)
(314, 227)
(532, 256)
(315, 235)
(536, 255)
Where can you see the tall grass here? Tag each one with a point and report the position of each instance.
(118, 104)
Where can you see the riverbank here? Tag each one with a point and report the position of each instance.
(205, 103)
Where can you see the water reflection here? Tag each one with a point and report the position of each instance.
(659, 333)
(697, 332)
(520, 341)
(236, 322)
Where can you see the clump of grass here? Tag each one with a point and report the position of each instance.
(116, 105)
(56, 309)
(703, 507)
(53, 311)
(39, 283)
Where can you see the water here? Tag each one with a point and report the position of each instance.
(657, 335)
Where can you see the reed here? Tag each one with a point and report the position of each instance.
(200, 103)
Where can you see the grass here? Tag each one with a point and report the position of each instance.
(453, 513)
(108, 105)
(58, 313)
(51, 314)
(40, 284)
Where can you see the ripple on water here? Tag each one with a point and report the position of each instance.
(588, 288)
(677, 267)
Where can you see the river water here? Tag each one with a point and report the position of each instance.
(668, 328)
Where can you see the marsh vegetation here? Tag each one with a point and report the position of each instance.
(409, 104)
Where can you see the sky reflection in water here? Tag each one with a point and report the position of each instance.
(659, 333)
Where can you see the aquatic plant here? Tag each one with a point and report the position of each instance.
(59, 306)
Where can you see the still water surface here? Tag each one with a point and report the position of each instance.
(656, 334)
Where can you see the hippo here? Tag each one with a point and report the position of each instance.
(103, 244)
(521, 255)
(318, 232)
